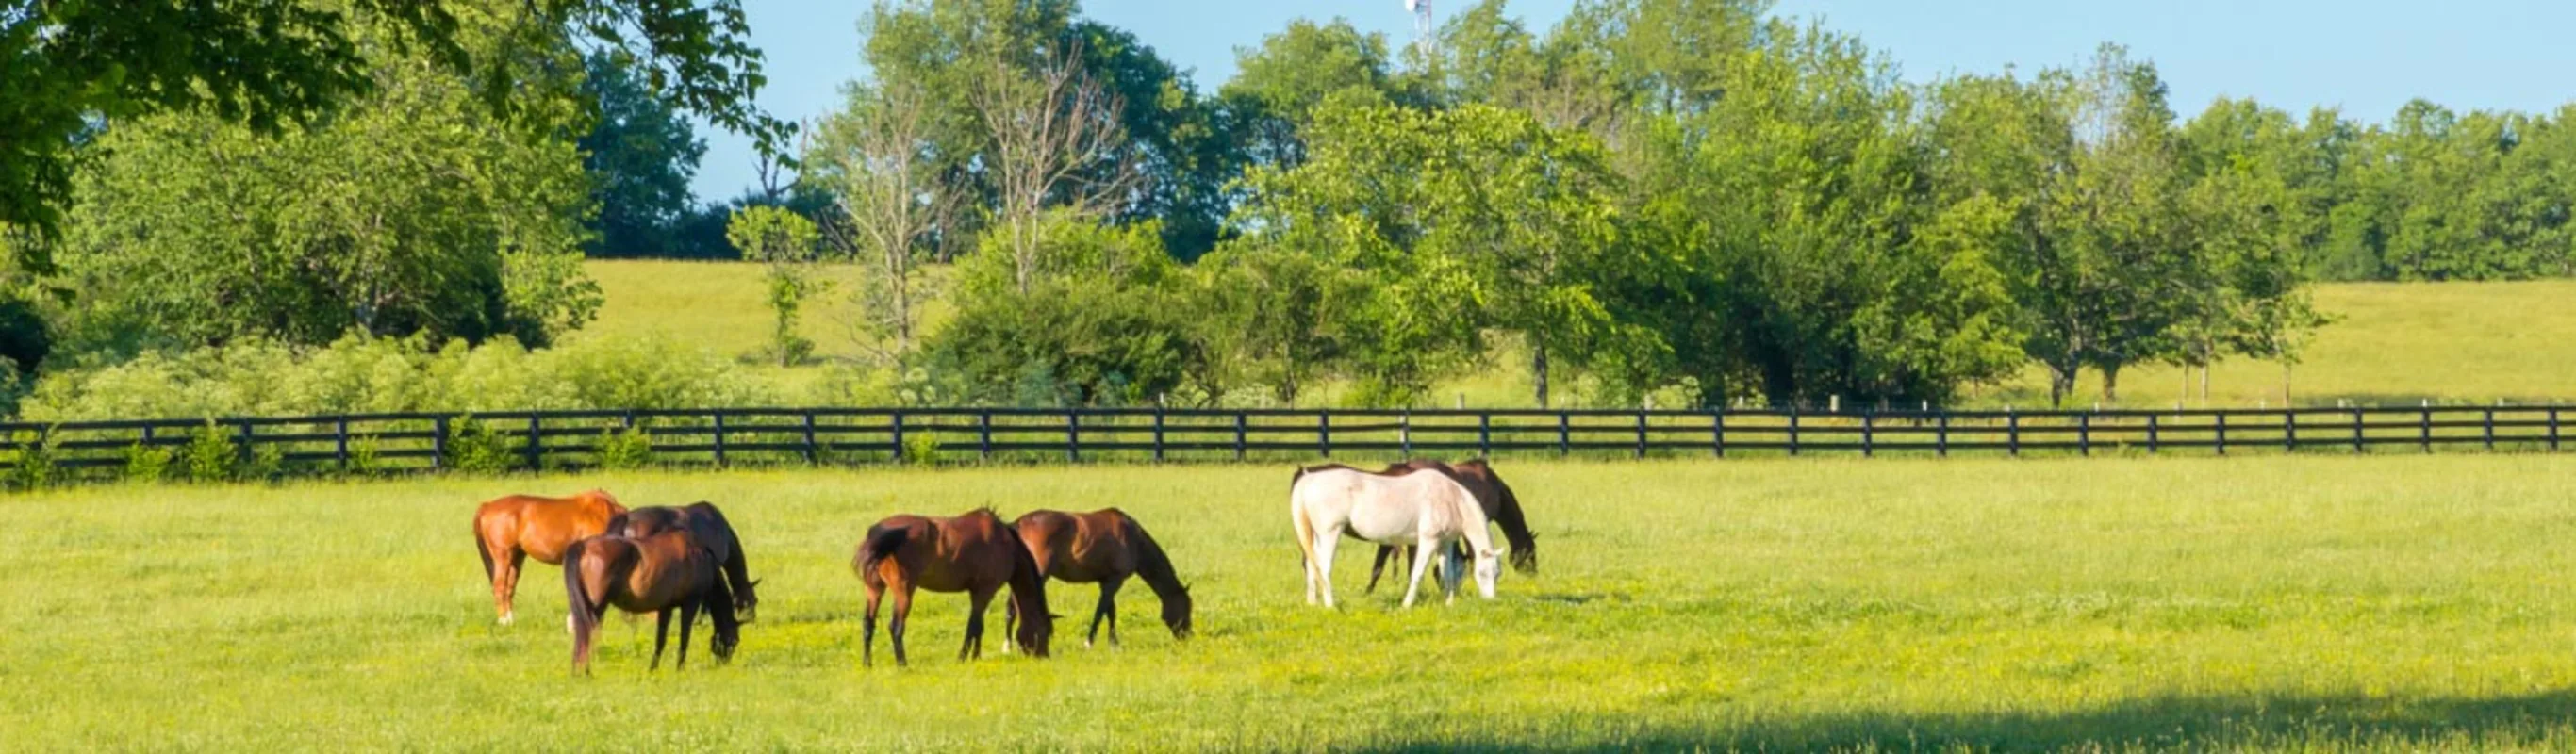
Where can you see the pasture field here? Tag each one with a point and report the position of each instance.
(2395, 343)
(2301, 603)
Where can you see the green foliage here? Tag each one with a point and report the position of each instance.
(211, 455)
(475, 446)
(365, 455)
(640, 154)
(31, 466)
(266, 462)
(1104, 323)
(921, 448)
(145, 463)
(622, 449)
(790, 245)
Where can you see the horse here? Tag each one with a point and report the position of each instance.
(712, 530)
(508, 530)
(1104, 546)
(651, 574)
(1500, 505)
(1428, 510)
(975, 553)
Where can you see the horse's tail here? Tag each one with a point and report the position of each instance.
(881, 542)
(483, 548)
(585, 614)
(1028, 594)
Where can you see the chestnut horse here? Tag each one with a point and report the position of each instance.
(653, 574)
(1498, 501)
(709, 524)
(975, 553)
(509, 530)
(1104, 546)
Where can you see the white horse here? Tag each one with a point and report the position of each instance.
(1427, 509)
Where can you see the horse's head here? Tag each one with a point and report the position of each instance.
(747, 602)
(728, 630)
(1525, 556)
(1489, 567)
(1176, 612)
(1035, 629)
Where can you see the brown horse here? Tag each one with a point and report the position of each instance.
(1491, 494)
(712, 530)
(1104, 546)
(509, 530)
(654, 574)
(975, 553)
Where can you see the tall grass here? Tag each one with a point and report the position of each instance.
(2278, 603)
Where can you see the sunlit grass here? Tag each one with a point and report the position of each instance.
(2279, 602)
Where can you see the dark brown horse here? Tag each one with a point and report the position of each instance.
(975, 553)
(712, 530)
(1104, 546)
(654, 574)
(509, 530)
(1491, 494)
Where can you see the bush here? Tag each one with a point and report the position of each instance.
(364, 455)
(211, 455)
(145, 463)
(33, 468)
(630, 448)
(475, 446)
(921, 448)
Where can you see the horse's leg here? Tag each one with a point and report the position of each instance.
(688, 617)
(1108, 609)
(902, 616)
(1413, 586)
(1325, 541)
(1377, 566)
(868, 629)
(505, 583)
(662, 630)
(1010, 623)
(977, 601)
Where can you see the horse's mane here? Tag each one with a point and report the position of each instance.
(1152, 564)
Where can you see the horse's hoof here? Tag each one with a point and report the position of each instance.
(507, 619)
(568, 625)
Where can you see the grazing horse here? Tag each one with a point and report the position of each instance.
(652, 574)
(1503, 507)
(1104, 546)
(975, 553)
(712, 530)
(1426, 510)
(509, 530)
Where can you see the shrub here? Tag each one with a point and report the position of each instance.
(630, 448)
(33, 468)
(364, 455)
(146, 463)
(475, 446)
(921, 448)
(211, 455)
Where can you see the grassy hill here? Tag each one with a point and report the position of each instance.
(2392, 342)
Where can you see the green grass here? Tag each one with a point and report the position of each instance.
(2395, 343)
(2273, 603)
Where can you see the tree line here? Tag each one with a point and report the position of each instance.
(1683, 201)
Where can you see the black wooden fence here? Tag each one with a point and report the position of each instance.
(576, 439)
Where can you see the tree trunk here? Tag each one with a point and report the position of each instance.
(2204, 384)
(2285, 383)
(2061, 381)
(1538, 369)
(2111, 383)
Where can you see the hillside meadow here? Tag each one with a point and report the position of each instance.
(2285, 603)
(2391, 343)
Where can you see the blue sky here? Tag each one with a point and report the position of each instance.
(2366, 56)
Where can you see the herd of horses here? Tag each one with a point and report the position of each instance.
(689, 560)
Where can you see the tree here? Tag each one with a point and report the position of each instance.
(274, 63)
(640, 154)
(412, 214)
(790, 245)
(1278, 85)
(1056, 143)
(874, 156)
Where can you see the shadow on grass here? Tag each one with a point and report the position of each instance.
(2199, 723)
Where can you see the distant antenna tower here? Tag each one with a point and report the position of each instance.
(1422, 31)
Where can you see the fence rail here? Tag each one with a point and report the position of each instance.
(574, 439)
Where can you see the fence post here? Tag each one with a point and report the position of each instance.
(1238, 435)
(2490, 427)
(1941, 435)
(813, 454)
(2553, 430)
(1324, 432)
(1564, 434)
(1158, 433)
(2289, 429)
(536, 442)
(1404, 433)
(1868, 433)
(984, 433)
(2357, 428)
(246, 440)
(894, 425)
(2427, 426)
(438, 442)
(2084, 434)
(1793, 428)
(2152, 432)
(1641, 433)
(1072, 435)
(1717, 432)
(720, 436)
(2012, 432)
(1484, 435)
(341, 435)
